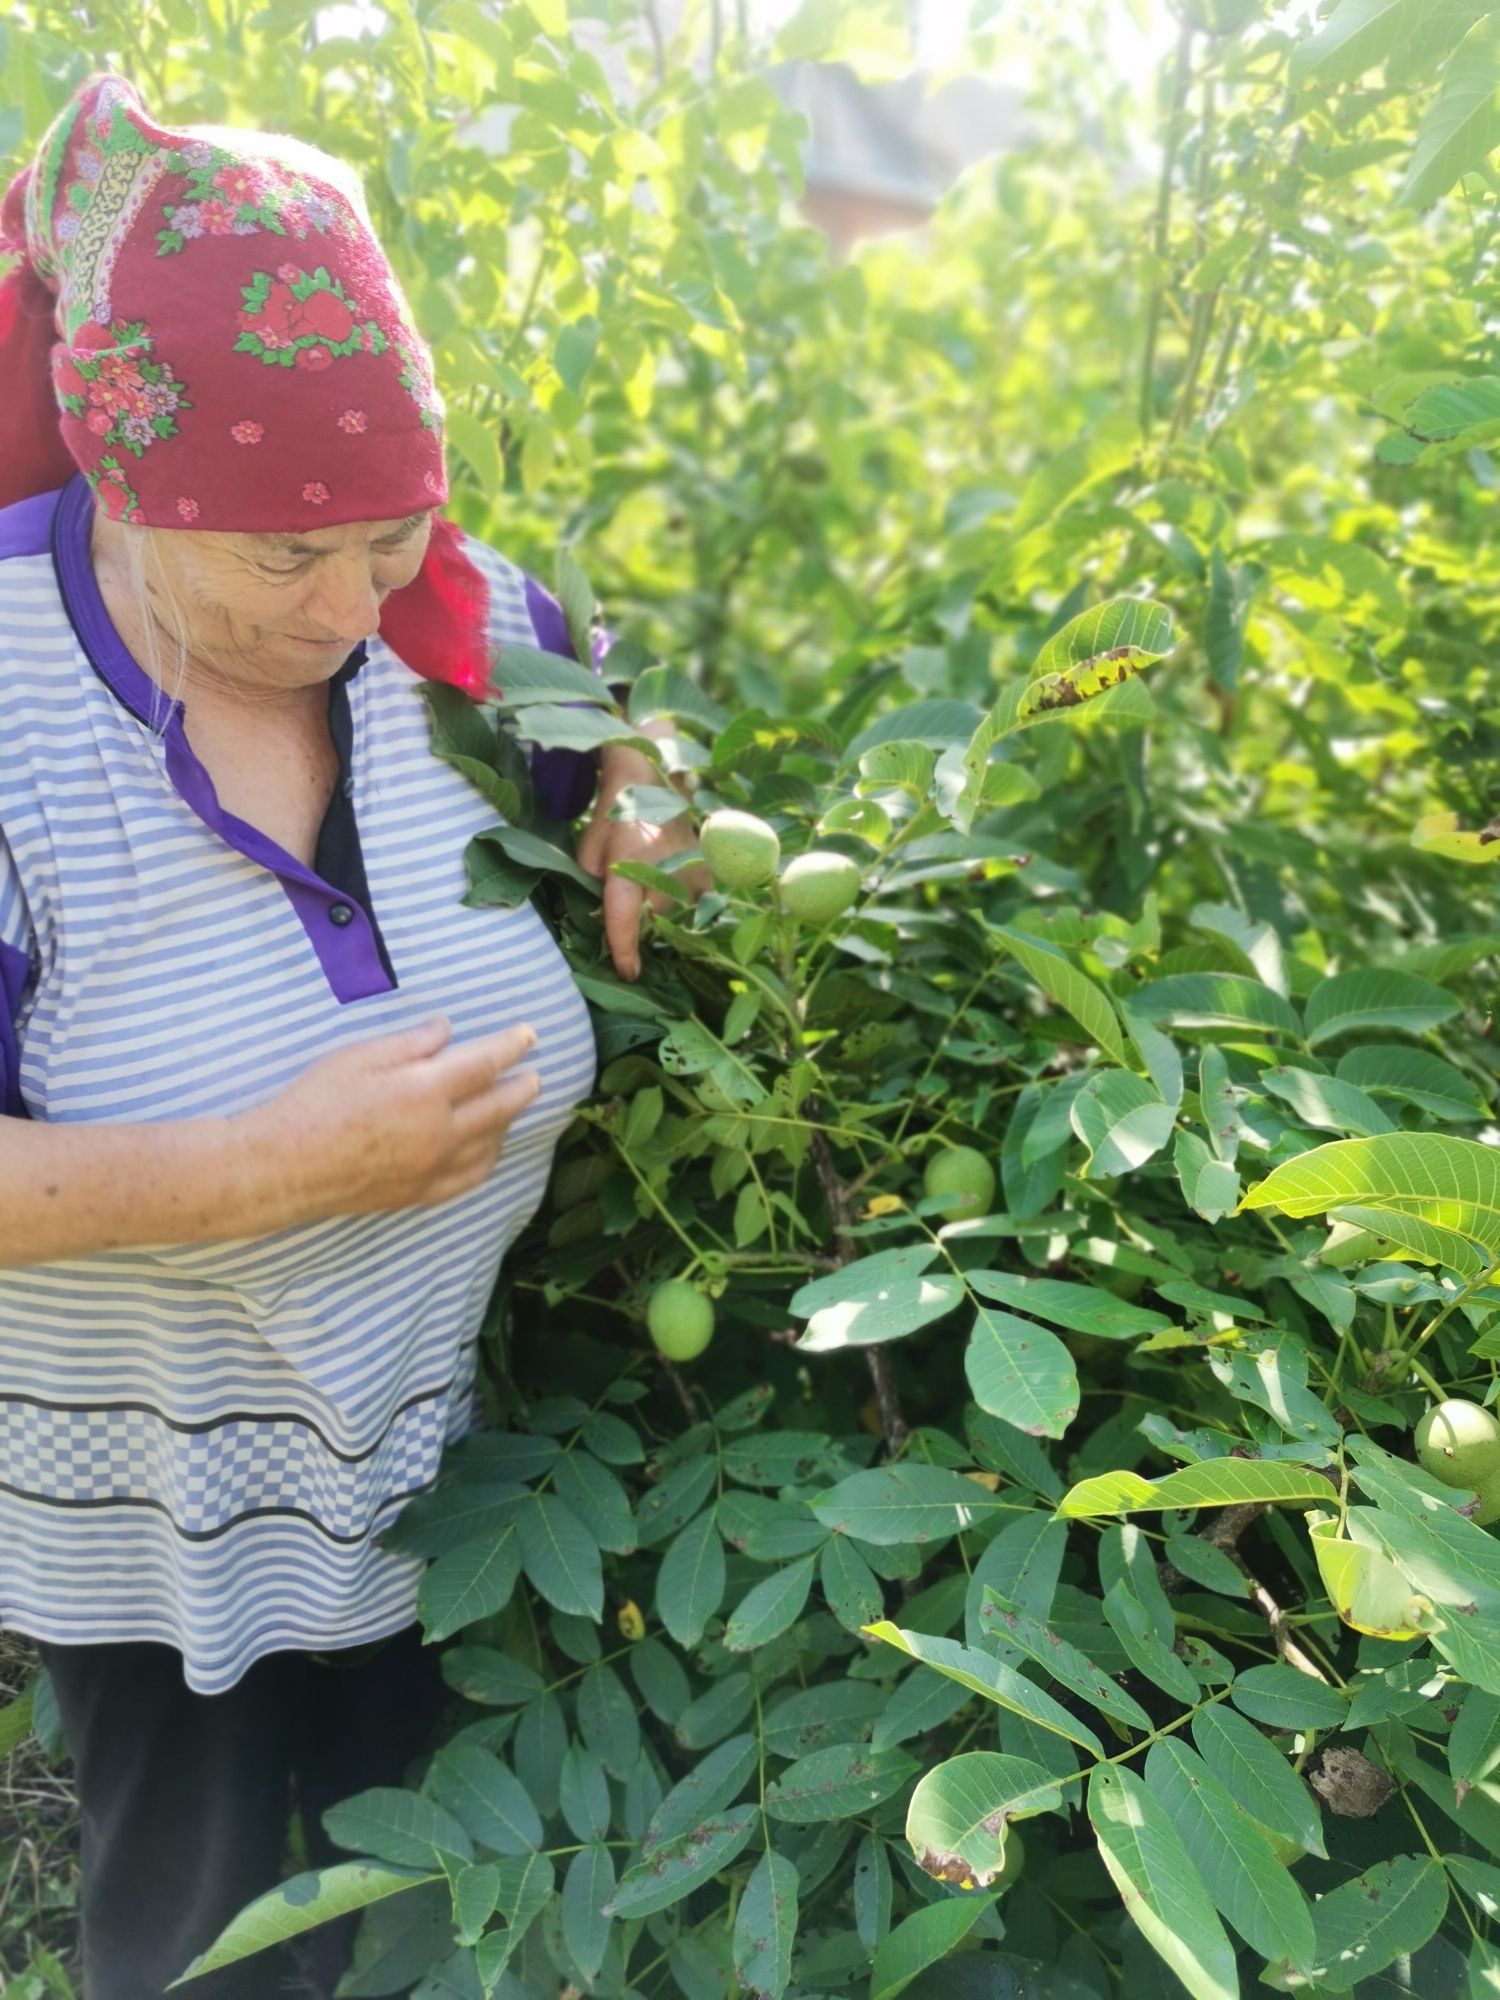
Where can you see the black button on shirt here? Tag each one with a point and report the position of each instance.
(340, 914)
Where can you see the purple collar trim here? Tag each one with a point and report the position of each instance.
(338, 929)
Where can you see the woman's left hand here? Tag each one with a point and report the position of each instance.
(607, 840)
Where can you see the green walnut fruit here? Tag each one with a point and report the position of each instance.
(1459, 1443)
(1488, 1509)
(960, 1171)
(1127, 1285)
(680, 1320)
(1015, 1859)
(819, 885)
(742, 852)
(1286, 1850)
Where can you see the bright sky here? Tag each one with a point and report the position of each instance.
(1141, 32)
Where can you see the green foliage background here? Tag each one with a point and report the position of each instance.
(1113, 1526)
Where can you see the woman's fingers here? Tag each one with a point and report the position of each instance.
(488, 1114)
(623, 902)
(474, 1068)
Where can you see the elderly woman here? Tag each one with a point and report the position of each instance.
(277, 1101)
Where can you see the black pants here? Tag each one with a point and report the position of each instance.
(185, 1797)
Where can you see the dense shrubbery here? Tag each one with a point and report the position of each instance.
(1113, 590)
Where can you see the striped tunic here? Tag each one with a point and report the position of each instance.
(200, 1444)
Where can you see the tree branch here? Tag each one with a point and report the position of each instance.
(1223, 1532)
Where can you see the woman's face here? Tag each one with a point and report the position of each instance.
(284, 611)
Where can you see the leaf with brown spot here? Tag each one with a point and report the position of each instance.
(680, 1865)
(985, 1675)
(958, 1814)
(1387, 1913)
(1061, 1659)
(839, 1782)
(765, 1927)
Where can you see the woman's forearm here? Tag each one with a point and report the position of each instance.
(66, 1190)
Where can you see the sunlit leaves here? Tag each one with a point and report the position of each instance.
(1111, 444)
(1215, 1482)
(984, 1675)
(1071, 989)
(1259, 1776)
(1389, 1911)
(1413, 1076)
(1210, 1187)
(877, 1298)
(1021, 1372)
(1161, 1889)
(1131, 626)
(1244, 1879)
(1326, 1103)
(1453, 1184)
(1201, 989)
(1462, 127)
(1358, 35)
(1374, 998)
(1122, 1121)
(1001, 1619)
(1369, 1593)
(1326, 574)
(957, 1816)
(1216, 1000)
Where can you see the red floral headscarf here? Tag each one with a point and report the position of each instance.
(204, 324)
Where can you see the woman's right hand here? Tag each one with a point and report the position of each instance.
(399, 1121)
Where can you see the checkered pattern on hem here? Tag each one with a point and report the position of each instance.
(205, 1479)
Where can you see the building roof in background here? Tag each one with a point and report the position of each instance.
(900, 144)
(896, 141)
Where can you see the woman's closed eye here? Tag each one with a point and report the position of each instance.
(390, 548)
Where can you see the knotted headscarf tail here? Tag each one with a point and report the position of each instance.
(203, 323)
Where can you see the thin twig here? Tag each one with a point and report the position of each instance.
(1223, 1532)
(659, 48)
(1204, 302)
(892, 1422)
(1170, 143)
(684, 1393)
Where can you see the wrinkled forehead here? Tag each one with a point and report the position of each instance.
(325, 541)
